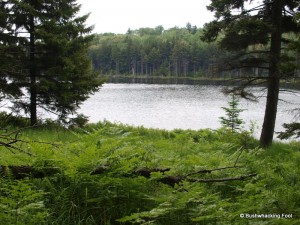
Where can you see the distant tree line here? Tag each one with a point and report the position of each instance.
(154, 51)
(178, 52)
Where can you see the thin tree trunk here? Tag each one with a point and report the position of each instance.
(117, 67)
(142, 67)
(133, 67)
(176, 68)
(268, 128)
(32, 75)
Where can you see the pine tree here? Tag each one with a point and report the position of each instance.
(255, 35)
(232, 120)
(11, 55)
(59, 74)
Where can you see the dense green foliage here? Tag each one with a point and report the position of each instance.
(154, 51)
(44, 59)
(98, 180)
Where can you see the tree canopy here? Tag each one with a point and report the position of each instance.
(154, 51)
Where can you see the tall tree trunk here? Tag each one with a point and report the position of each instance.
(142, 67)
(133, 67)
(117, 67)
(32, 75)
(186, 67)
(176, 68)
(268, 128)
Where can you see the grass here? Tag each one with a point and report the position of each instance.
(120, 195)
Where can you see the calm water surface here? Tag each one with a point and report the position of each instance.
(177, 106)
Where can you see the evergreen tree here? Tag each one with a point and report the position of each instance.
(58, 73)
(256, 36)
(232, 120)
(10, 55)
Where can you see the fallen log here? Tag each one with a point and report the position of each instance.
(100, 169)
(146, 172)
(21, 172)
(213, 170)
(172, 180)
(242, 177)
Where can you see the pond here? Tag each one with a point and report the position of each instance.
(178, 106)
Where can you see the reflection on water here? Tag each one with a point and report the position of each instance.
(176, 106)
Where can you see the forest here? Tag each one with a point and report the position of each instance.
(176, 52)
(154, 52)
(68, 171)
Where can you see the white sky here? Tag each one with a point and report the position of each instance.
(117, 16)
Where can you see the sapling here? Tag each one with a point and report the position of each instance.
(232, 120)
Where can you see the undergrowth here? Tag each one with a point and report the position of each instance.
(99, 179)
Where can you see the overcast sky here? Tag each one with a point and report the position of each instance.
(117, 16)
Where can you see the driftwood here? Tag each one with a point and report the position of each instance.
(21, 172)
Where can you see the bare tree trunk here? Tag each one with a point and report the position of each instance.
(185, 67)
(256, 72)
(268, 128)
(117, 67)
(133, 67)
(176, 68)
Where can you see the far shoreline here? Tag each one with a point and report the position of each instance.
(216, 81)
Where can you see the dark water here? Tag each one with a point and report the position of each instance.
(177, 106)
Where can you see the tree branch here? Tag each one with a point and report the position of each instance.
(213, 170)
(9, 140)
(242, 177)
